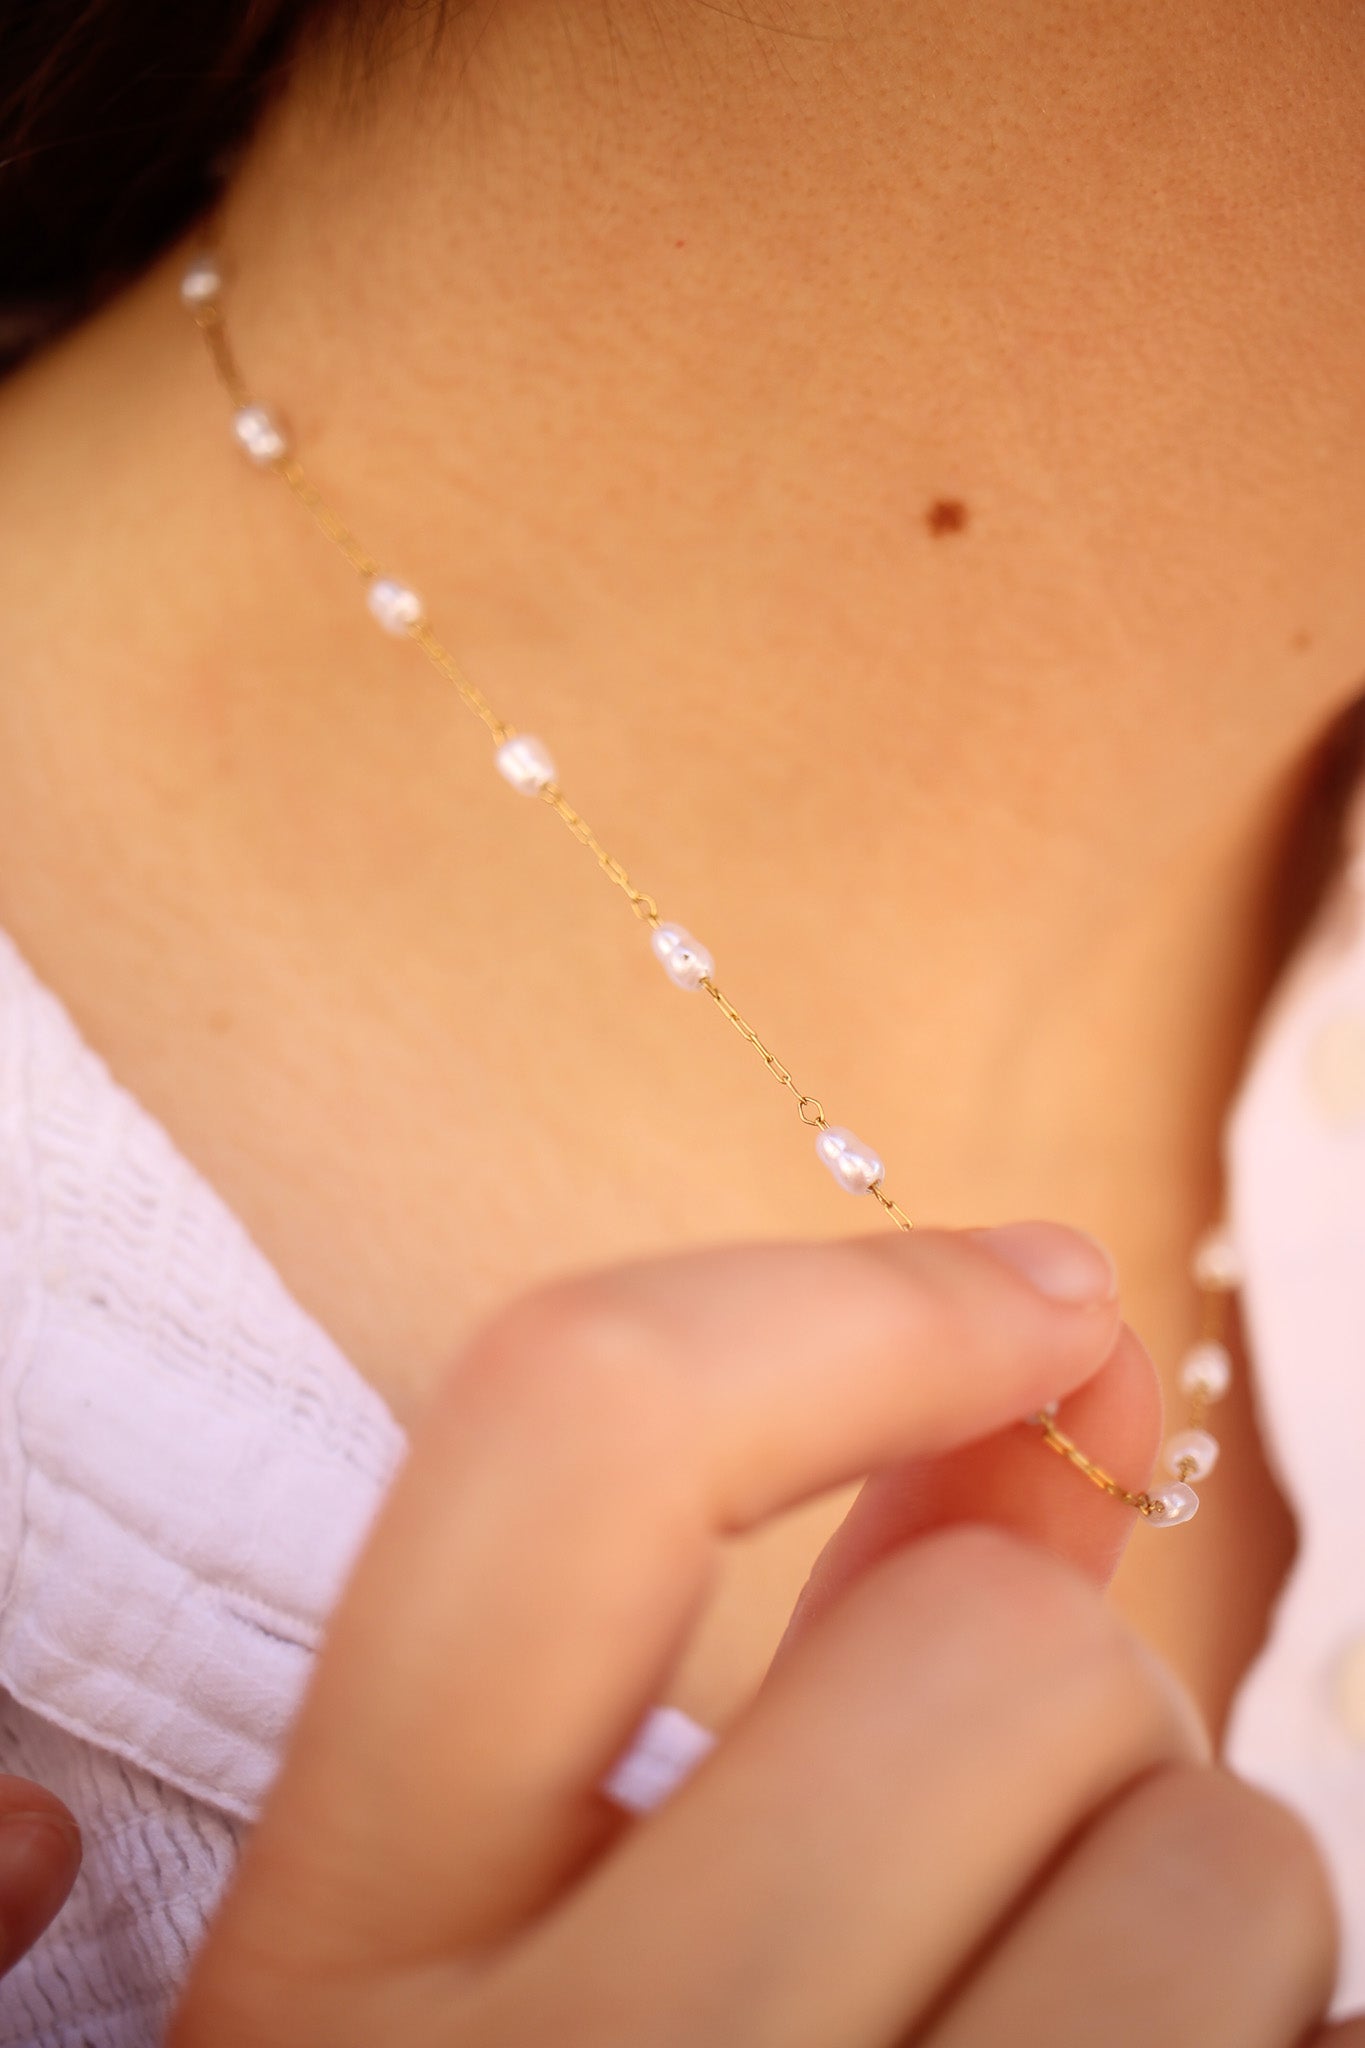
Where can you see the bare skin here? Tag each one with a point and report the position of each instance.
(40, 1855)
(966, 1805)
(646, 346)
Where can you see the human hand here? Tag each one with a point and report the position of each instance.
(40, 1854)
(954, 1718)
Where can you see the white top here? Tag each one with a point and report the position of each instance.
(188, 1465)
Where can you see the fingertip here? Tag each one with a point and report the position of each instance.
(40, 1857)
(1012, 1479)
(1115, 1419)
(1062, 1263)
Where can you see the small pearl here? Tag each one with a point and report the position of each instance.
(525, 762)
(393, 604)
(1215, 1263)
(1179, 1503)
(1042, 1415)
(259, 434)
(684, 959)
(1207, 1371)
(854, 1165)
(202, 282)
(1196, 1450)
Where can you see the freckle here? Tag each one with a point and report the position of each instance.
(946, 515)
(680, 245)
(1301, 641)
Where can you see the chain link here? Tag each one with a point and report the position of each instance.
(208, 316)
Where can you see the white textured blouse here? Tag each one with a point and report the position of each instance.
(188, 1465)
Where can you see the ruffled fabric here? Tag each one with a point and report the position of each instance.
(187, 1468)
(1295, 1148)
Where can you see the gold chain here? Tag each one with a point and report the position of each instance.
(201, 292)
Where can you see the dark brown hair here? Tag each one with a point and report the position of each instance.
(116, 120)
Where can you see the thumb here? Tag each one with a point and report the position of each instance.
(40, 1854)
(1005, 1478)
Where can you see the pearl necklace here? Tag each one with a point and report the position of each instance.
(525, 762)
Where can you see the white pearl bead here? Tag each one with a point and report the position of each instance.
(684, 959)
(1195, 1449)
(1215, 1263)
(259, 434)
(393, 604)
(854, 1165)
(1042, 1415)
(202, 282)
(525, 762)
(1179, 1503)
(1207, 1371)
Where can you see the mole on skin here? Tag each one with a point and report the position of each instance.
(946, 515)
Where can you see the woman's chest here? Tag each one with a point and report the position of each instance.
(420, 1106)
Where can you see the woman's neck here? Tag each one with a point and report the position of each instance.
(651, 349)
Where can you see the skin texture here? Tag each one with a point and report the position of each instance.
(960, 1765)
(642, 342)
(1170, 1890)
(646, 344)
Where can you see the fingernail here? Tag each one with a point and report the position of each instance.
(39, 1858)
(1064, 1264)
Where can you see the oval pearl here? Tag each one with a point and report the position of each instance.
(394, 606)
(525, 762)
(1215, 1263)
(202, 282)
(684, 959)
(1195, 1449)
(259, 434)
(854, 1165)
(1179, 1503)
(1207, 1371)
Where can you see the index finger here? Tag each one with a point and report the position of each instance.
(551, 1539)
